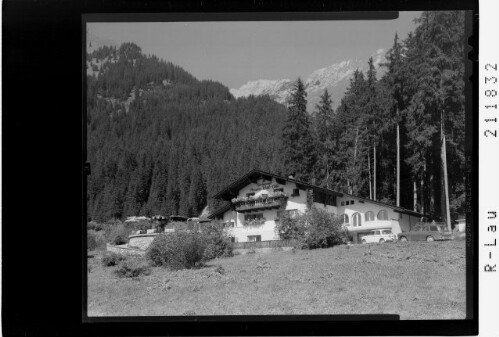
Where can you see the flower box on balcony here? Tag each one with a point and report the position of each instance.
(259, 203)
(255, 222)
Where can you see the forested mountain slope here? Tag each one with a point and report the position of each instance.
(162, 142)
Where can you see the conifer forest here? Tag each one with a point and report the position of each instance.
(161, 142)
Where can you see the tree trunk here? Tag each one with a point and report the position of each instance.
(355, 153)
(355, 148)
(369, 167)
(432, 194)
(398, 163)
(422, 193)
(446, 183)
(415, 197)
(374, 188)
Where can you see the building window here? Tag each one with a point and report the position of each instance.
(290, 212)
(351, 202)
(330, 200)
(348, 202)
(254, 238)
(369, 216)
(278, 190)
(345, 219)
(342, 203)
(230, 224)
(249, 217)
(232, 239)
(264, 195)
(383, 215)
(296, 192)
(356, 219)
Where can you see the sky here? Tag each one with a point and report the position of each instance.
(234, 53)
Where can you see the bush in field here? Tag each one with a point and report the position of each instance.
(118, 234)
(133, 267)
(289, 228)
(217, 241)
(95, 240)
(95, 226)
(112, 259)
(177, 250)
(322, 229)
(315, 229)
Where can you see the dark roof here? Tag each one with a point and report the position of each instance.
(220, 210)
(232, 190)
(396, 209)
(178, 218)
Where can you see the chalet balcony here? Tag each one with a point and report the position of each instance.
(260, 204)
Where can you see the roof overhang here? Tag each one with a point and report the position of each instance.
(409, 212)
(232, 190)
(220, 211)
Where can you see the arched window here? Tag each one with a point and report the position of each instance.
(356, 219)
(369, 216)
(345, 219)
(383, 215)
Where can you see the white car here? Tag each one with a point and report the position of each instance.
(379, 235)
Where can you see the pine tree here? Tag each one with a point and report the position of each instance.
(297, 139)
(324, 129)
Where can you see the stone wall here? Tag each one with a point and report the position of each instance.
(124, 250)
(141, 241)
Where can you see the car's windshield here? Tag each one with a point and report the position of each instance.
(386, 231)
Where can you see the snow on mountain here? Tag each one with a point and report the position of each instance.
(336, 78)
(276, 89)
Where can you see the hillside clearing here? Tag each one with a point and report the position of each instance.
(417, 280)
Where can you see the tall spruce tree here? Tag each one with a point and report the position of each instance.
(435, 72)
(324, 118)
(297, 139)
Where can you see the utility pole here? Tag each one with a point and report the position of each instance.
(444, 162)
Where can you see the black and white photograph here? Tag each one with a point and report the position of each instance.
(286, 167)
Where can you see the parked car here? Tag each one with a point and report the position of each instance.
(426, 232)
(379, 235)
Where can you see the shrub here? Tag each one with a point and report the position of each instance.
(323, 229)
(112, 259)
(133, 267)
(177, 250)
(118, 234)
(95, 240)
(315, 229)
(217, 242)
(289, 228)
(92, 225)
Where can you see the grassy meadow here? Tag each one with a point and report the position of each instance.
(418, 280)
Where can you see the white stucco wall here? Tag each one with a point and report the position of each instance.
(267, 230)
(397, 222)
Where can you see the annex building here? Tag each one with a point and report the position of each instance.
(258, 199)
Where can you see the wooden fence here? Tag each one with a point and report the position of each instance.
(264, 244)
